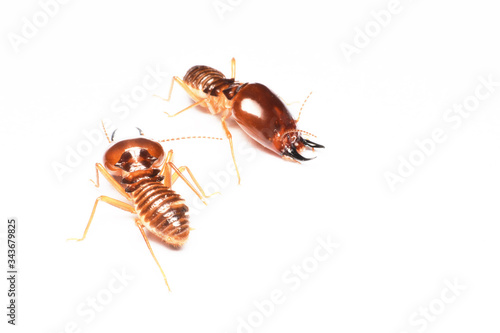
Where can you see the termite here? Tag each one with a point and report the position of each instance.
(140, 171)
(258, 111)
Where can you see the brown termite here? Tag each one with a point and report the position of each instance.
(141, 172)
(258, 111)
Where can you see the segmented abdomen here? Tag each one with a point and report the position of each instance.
(206, 79)
(162, 211)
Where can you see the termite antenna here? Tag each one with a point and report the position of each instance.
(190, 137)
(300, 131)
(105, 132)
(300, 112)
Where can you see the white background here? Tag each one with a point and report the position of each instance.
(397, 248)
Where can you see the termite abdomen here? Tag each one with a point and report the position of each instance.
(163, 211)
(207, 79)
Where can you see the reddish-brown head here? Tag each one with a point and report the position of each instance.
(263, 116)
(131, 155)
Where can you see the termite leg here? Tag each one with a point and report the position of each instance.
(185, 109)
(165, 170)
(180, 82)
(230, 138)
(171, 176)
(233, 68)
(110, 179)
(181, 169)
(188, 183)
(141, 228)
(187, 89)
(112, 202)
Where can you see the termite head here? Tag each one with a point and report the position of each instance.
(292, 143)
(263, 116)
(131, 155)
